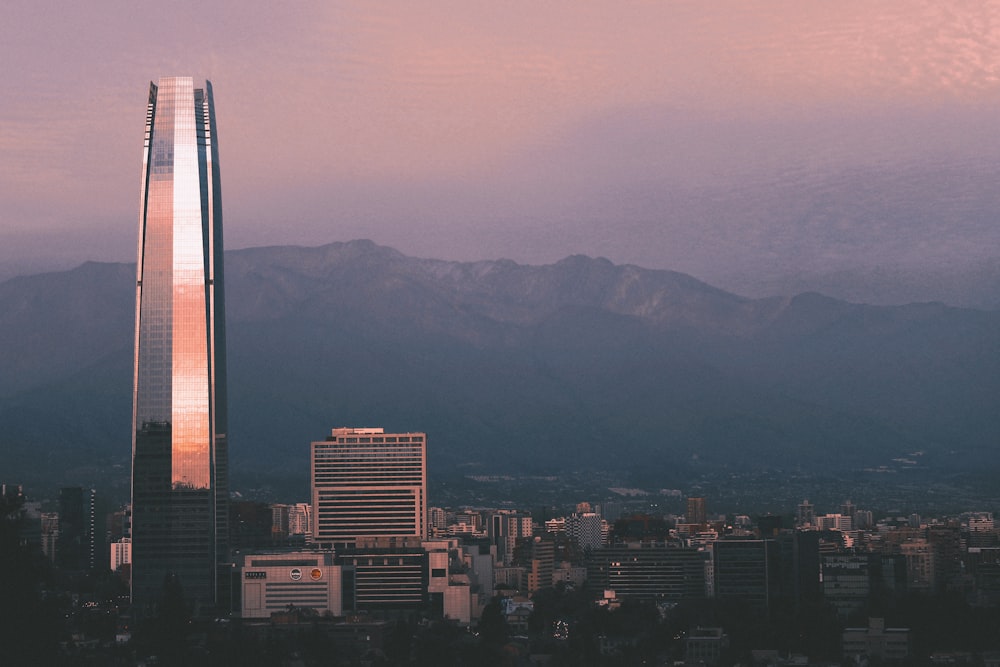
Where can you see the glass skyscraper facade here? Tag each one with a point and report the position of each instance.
(179, 449)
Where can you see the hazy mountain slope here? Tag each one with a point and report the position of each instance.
(54, 324)
(577, 364)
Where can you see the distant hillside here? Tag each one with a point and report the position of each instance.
(971, 284)
(578, 364)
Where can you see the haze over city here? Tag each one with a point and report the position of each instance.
(752, 144)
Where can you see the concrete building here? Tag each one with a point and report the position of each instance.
(568, 574)
(50, 535)
(805, 515)
(841, 522)
(437, 520)
(876, 641)
(381, 575)
(696, 513)
(705, 646)
(279, 522)
(274, 582)
(587, 530)
(454, 589)
(369, 484)
(846, 580)
(648, 571)
(121, 553)
(920, 565)
(505, 528)
(74, 535)
(539, 562)
(300, 516)
(747, 570)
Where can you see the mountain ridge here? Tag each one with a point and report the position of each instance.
(577, 363)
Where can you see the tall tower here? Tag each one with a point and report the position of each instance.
(368, 485)
(179, 452)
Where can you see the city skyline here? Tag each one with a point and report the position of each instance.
(180, 470)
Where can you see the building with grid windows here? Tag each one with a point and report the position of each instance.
(179, 448)
(648, 571)
(368, 485)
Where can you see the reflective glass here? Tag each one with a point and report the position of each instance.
(179, 451)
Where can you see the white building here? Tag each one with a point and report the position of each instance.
(272, 582)
(121, 553)
(369, 484)
(300, 519)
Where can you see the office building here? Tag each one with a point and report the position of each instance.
(587, 530)
(179, 447)
(300, 521)
(71, 548)
(121, 553)
(891, 645)
(78, 539)
(369, 485)
(696, 511)
(50, 534)
(539, 562)
(505, 528)
(648, 571)
(379, 577)
(437, 521)
(846, 581)
(705, 646)
(279, 522)
(747, 570)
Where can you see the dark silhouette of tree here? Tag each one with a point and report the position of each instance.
(492, 625)
(29, 623)
(165, 635)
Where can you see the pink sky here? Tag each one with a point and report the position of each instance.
(685, 135)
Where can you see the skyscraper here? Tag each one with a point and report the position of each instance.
(179, 449)
(369, 485)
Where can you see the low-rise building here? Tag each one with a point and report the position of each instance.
(876, 641)
(299, 580)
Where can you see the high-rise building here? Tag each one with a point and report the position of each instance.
(747, 570)
(369, 485)
(300, 520)
(696, 510)
(505, 528)
(588, 530)
(71, 549)
(179, 450)
(50, 534)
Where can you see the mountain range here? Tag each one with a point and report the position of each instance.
(577, 365)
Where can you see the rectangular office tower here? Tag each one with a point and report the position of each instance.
(179, 456)
(369, 487)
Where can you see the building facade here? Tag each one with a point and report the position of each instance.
(279, 581)
(587, 530)
(121, 553)
(179, 447)
(747, 570)
(368, 484)
(646, 571)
